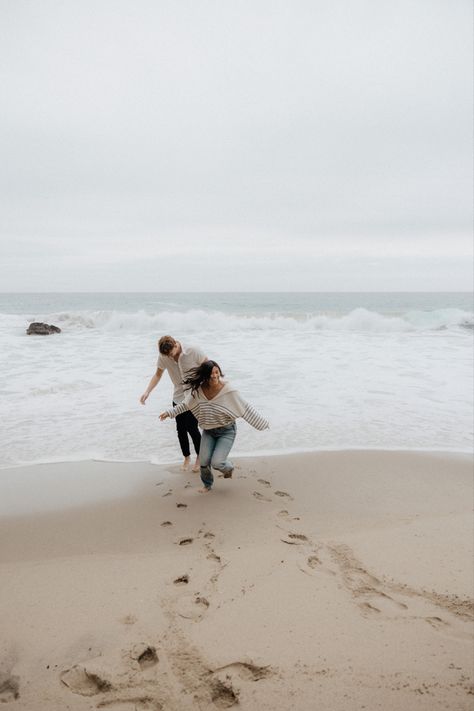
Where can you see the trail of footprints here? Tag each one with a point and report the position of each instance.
(373, 595)
(261, 497)
(193, 606)
(171, 675)
(220, 686)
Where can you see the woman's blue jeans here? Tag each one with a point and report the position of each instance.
(215, 447)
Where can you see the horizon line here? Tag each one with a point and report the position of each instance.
(248, 291)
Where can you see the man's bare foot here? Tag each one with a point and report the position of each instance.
(186, 464)
(204, 490)
(196, 465)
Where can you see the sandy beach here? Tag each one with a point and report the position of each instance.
(326, 580)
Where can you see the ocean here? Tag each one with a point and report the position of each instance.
(329, 370)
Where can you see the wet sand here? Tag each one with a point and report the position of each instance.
(325, 580)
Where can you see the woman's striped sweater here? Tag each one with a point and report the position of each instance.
(223, 409)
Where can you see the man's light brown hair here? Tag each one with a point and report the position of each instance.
(166, 344)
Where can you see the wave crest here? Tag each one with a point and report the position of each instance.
(197, 320)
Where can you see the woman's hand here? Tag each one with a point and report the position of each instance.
(164, 415)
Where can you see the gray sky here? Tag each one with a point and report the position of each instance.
(235, 145)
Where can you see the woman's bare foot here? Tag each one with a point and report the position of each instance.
(186, 464)
(205, 490)
(196, 465)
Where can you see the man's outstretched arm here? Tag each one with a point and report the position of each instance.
(152, 385)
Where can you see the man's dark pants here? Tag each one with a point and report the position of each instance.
(187, 424)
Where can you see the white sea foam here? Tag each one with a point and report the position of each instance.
(196, 320)
(64, 387)
(342, 379)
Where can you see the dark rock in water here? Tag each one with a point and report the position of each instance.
(41, 329)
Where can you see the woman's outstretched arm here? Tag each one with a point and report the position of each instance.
(254, 418)
(175, 411)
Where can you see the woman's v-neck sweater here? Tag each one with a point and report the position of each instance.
(223, 409)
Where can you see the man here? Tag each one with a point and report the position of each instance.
(178, 360)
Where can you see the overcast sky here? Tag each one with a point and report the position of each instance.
(235, 145)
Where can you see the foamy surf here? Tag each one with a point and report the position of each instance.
(328, 372)
(196, 320)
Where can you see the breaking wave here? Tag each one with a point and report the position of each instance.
(198, 320)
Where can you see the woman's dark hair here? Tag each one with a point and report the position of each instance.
(200, 375)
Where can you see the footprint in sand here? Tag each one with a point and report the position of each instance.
(264, 482)
(146, 657)
(80, 680)
(209, 535)
(298, 537)
(9, 688)
(285, 514)
(192, 607)
(105, 674)
(436, 622)
(185, 541)
(283, 493)
(223, 694)
(378, 601)
(245, 670)
(223, 682)
(313, 562)
(260, 497)
(166, 523)
(295, 539)
(182, 580)
(182, 506)
(213, 556)
(168, 493)
(367, 607)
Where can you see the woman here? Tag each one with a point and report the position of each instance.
(216, 405)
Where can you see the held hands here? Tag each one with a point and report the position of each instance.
(163, 416)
